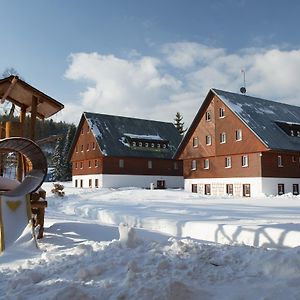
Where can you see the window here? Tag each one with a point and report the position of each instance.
(90, 164)
(94, 146)
(76, 183)
(88, 130)
(149, 164)
(175, 165)
(81, 130)
(76, 166)
(146, 144)
(208, 116)
(279, 161)
(238, 135)
(140, 144)
(76, 149)
(195, 142)
(292, 132)
(229, 189)
(221, 112)
(194, 188)
(208, 140)
(206, 164)
(293, 159)
(223, 138)
(87, 147)
(164, 146)
(121, 163)
(90, 183)
(295, 189)
(96, 163)
(280, 188)
(228, 162)
(194, 165)
(158, 145)
(133, 144)
(152, 145)
(246, 190)
(207, 189)
(81, 148)
(245, 161)
(81, 165)
(298, 133)
(81, 183)
(96, 183)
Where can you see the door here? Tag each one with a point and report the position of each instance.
(161, 184)
(246, 190)
(280, 188)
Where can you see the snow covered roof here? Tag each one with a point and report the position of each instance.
(114, 134)
(262, 116)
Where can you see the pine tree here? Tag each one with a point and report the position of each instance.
(66, 164)
(57, 160)
(179, 124)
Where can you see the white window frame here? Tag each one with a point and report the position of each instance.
(96, 163)
(228, 162)
(223, 138)
(195, 142)
(221, 112)
(208, 116)
(150, 164)
(238, 135)
(245, 161)
(208, 140)
(194, 165)
(279, 161)
(206, 164)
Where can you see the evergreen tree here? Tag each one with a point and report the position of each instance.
(179, 124)
(66, 164)
(57, 160)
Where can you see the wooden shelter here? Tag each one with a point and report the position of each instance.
(38, 105)
(30, 100)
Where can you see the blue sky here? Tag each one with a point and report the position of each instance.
(151, 58)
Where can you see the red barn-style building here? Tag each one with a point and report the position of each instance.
(243, 146)
(114, 151)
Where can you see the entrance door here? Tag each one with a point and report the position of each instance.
(229, 189)
(246, 190)
(161, 184)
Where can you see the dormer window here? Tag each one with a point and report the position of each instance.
(133, 144)
(291, 129)
(158, 145)
(164, 146)
(292, 132)
(140, 144)
(152, 145)
(146, 145)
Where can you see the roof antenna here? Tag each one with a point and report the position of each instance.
(243, 88)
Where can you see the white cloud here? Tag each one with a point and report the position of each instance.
(179, 79)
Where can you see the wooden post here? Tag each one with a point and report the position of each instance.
(34, 104)
(7, 129)
(20, 157)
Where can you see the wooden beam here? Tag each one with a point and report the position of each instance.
(11, 86)
(33, 117)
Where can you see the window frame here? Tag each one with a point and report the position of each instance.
(221, 112)
(223, 138)
(279, 161)
(194, 165)
(208, 116)
(238, 135)
(228, 162)
(208, 140)
(195, 142)
(206, 164)
(245, 163)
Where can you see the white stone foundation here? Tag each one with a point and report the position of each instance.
(258, 185)
(117, 181)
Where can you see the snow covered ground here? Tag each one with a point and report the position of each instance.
(83, 257)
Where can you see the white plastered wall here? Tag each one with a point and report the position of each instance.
(258, 185)
(116, 181)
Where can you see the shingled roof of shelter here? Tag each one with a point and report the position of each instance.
(113, 132)
(261, 115)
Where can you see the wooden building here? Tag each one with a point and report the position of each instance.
(243, 146)
(113, 151)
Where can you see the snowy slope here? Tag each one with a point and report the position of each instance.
(81, 258)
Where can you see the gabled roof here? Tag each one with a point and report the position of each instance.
(20, 93)
(261, 116)
(114, 134)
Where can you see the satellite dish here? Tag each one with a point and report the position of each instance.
(243, 90)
